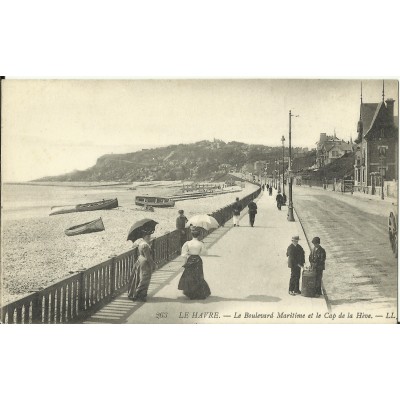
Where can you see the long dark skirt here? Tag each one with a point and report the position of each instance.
(192, 280)
(140, 280)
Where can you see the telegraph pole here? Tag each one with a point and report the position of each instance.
(290, 216)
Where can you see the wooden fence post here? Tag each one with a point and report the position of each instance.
(112, 277)
(168, 255)
(81, 297)
(37, 309)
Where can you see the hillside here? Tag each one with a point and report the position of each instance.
(197, 161)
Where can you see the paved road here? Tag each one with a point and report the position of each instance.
(361, 272)
(248, 275)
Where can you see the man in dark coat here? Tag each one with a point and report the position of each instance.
(236, 208)
(252, 212)
(270, 190)
(317, 260)
(180, 226)
(295, 254)
(279, 200)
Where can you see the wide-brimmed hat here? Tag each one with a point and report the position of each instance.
(316, 240)
(180, 211)
(295, 238)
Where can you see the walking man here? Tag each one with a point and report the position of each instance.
(252, 212)
(295, 254)
(237, 207)
(317, 260)
(279, 200)
(270, 190)
(180, 226)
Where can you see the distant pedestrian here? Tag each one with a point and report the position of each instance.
(279, 200)
(192, 281)
(263, 187)
(180, 226)
(295, 254)
(270, 190)
(237, 208)
(317, 260)
(267, 186)
(252, 212)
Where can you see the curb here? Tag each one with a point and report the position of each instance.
(298, 221)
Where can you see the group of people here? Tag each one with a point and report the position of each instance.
(192, 281)
(296, 260)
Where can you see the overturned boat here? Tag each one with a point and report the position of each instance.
(88, 227)
(98, 205)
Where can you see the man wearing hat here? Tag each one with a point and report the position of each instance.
(180, 226)
(279, 200)
(295, 254)
(317, 260)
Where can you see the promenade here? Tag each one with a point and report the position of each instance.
(246, 269)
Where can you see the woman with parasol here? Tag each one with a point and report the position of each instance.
(192, 281)
(140, 234)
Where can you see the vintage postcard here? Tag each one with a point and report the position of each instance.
(209, 201)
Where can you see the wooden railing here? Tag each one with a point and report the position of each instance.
(73, 298)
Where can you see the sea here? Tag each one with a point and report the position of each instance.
(35, 201)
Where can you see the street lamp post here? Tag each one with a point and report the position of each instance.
(283, 165)
(279, 177)
(382, 183)
(290, 216)
(382, 155)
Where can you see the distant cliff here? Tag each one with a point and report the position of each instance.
(211, 160)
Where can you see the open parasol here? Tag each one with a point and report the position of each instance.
(136, 231)
(203, 221)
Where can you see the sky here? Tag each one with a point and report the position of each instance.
(50, 127)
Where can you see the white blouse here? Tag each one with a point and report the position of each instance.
(193, 248)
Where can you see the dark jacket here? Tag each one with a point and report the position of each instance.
(279, 198)
(317, 258)
(181, 222)
(252, 208)
(237, 207)
(295, 255)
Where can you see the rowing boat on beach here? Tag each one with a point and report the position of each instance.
(98, 205)
(88, 227)
(154, 201)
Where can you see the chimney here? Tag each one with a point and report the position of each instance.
(390, 107)
(322, 137)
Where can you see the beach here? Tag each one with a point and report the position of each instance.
(35, 250)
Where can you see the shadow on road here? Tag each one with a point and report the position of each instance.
(346, 301)
(215, 299)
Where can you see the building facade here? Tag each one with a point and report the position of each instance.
(329, 148)
(377, 144)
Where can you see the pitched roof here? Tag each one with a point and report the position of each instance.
(341, 145)
(382, 119)
(374, 118)
(368, 111)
